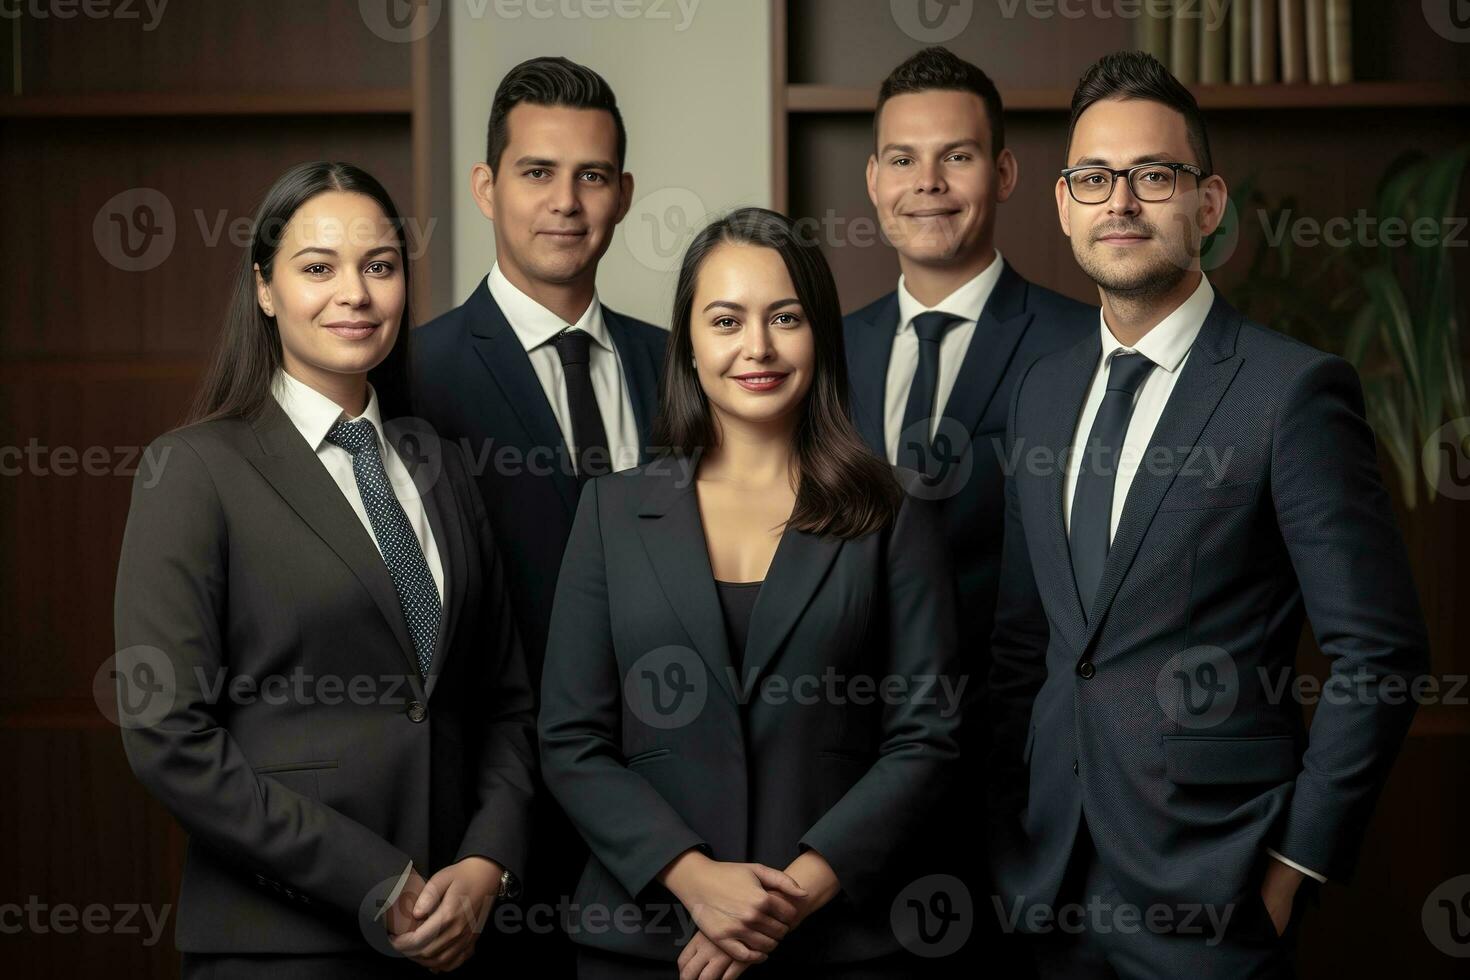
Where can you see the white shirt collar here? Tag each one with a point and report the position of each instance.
(533, 323)
(1168, 342)
(314, 414)
(966, 302)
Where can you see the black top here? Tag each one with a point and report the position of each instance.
(737, 601)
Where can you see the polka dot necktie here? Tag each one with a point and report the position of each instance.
(417, 595)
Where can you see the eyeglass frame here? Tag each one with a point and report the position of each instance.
(1173, 165)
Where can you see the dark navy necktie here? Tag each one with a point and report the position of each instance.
(1097, 470)
(930, 328)
(418, 596)
(590, 455)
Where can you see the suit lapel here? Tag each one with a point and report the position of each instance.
(673, 535)
(292, 468)
(641, 372)
(501, 351)
(871, 346)
(798, 568)
(997, 334)
(1206, 374)
(1070, 391)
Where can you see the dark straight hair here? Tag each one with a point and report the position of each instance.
(843, 489)
(1139, 75)
(248, 353)
(549, 81)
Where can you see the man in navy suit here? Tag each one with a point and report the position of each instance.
(1188, 485)
(931, 364)
(544, 386)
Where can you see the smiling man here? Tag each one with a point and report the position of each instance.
(931, 365)
(544, 385)
(1146, 769)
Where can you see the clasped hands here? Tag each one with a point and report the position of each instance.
(743, 910)
(436, 923)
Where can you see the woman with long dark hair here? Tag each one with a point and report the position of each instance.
(724, 618)
(318, 671)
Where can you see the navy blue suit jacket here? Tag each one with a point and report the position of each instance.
(474, 383)
(1164, 713)
(1021, 322)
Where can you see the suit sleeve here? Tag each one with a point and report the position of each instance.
(1017, 649)
(1339, 529)
(631, 829)
(861, 835)
(171, 599)
(499, 829)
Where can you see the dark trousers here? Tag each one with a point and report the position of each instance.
(340, 966)
(1098, 935)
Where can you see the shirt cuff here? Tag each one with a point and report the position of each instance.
(397, 890)
(1320, 879)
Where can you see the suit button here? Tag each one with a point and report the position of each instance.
(1086, 669)
(1075, 769)
(417, 712)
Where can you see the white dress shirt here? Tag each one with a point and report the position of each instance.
(314, 414)
(534, 326)
(967, 303)
(1167, 345)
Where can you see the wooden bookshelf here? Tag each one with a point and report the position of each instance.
(808, 98)
(123, 105)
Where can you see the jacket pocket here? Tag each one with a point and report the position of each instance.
(1200, 496)
(1193, 760)
(1030, 744)
(648, 756)
(294, 767)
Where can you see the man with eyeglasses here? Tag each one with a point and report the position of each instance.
(1192, 484)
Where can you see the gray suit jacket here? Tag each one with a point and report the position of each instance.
(270, 696)
(654, 744)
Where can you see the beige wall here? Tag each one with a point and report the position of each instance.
(693, 81)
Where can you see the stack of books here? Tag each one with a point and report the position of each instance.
(1251, 42)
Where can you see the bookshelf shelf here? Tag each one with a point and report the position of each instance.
(1355, 95)
(392, 102)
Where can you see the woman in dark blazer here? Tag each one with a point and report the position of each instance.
(319, 674)
(740, 707)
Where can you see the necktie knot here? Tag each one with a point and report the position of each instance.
(352, 436)
(1127, 372)
(932, 326)
(571, 345)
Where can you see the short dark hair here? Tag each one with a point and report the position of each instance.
(938, 68)
(549, 81)
(1139, 75)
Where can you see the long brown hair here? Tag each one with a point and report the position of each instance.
(237, 382)
(844, 490)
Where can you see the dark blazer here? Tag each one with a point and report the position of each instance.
(653, 747)
(475, 385)
(1021, 322)
(245, 563)
(1260, 501)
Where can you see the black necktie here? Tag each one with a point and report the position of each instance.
(930, 329)
(1097, 469)
(418, 596)
(590, 454)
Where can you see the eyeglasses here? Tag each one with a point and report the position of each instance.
(1149, 182)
